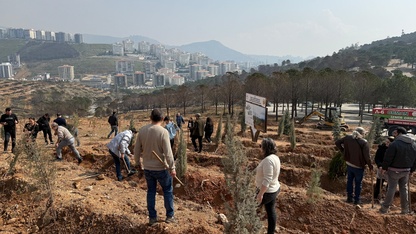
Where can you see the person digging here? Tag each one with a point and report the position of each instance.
(119, 150)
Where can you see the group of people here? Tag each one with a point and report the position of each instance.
(198, 128)
(9, 121)
(153, 157)
(395, 159)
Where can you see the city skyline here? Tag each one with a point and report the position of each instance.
(302, 28)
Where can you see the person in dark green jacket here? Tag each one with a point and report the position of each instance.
(197, 132)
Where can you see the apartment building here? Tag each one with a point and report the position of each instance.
(66, 72)
(6, 70)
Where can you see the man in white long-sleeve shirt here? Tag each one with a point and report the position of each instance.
(119, 150)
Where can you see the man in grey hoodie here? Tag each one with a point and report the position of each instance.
(399, 161)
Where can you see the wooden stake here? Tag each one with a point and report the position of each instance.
(166, 166)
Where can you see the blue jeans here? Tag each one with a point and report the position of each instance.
(165, 181)
(354, 175)
(117, 161)
(393, 179)
(70, 144)
(269, 201)
(114, 128)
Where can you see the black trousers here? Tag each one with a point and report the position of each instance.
(199, 142)
(47, 133)
(9, 133)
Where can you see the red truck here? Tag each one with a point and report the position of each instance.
(394, 117)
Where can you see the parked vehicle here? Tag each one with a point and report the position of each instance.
(395, 117)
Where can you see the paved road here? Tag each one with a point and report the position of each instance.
(349, 111)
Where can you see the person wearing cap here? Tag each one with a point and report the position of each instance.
(399, 162)
(356, 155)
(153, 139)
(197, 132)
(9, 121)
(113, 121)
(43, 123)
(65, 138)
(60, 120)
(378, 159)
(119, 150)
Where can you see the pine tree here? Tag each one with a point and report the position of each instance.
(286, 123)
(337, 166)
(336, 129)
(241, 208)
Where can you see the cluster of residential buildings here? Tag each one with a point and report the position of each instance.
(42, 35)
(160, 66)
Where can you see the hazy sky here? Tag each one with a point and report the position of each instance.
(261, 27)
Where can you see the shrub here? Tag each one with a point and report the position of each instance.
(41, 171)
(241, 208)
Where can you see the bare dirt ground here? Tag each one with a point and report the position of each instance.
(90, 205)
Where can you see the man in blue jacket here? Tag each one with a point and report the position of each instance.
(119, 150)
(399, 161)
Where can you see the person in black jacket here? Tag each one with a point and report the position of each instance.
(43, 123)
(399, 162)
(9, 121)
(209, 129)
(113, 121)
(378, 159)
(60, 120)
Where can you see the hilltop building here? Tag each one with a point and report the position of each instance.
(78, 38)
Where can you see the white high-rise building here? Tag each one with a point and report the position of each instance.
(128, 46)
(124, 66)
(29, 34)
(144, 47)
(40, 35)
(6, 70)
(118, 49)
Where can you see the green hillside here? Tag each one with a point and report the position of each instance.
(45, 57)
(9, 47)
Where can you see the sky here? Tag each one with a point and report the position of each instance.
(256, 27)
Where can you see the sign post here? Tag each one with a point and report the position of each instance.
(256, 115)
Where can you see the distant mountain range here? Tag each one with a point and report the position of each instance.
(213, 49)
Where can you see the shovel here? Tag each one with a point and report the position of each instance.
(372, 189)
(166, 166)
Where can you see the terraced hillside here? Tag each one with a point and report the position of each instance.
(34, 98)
